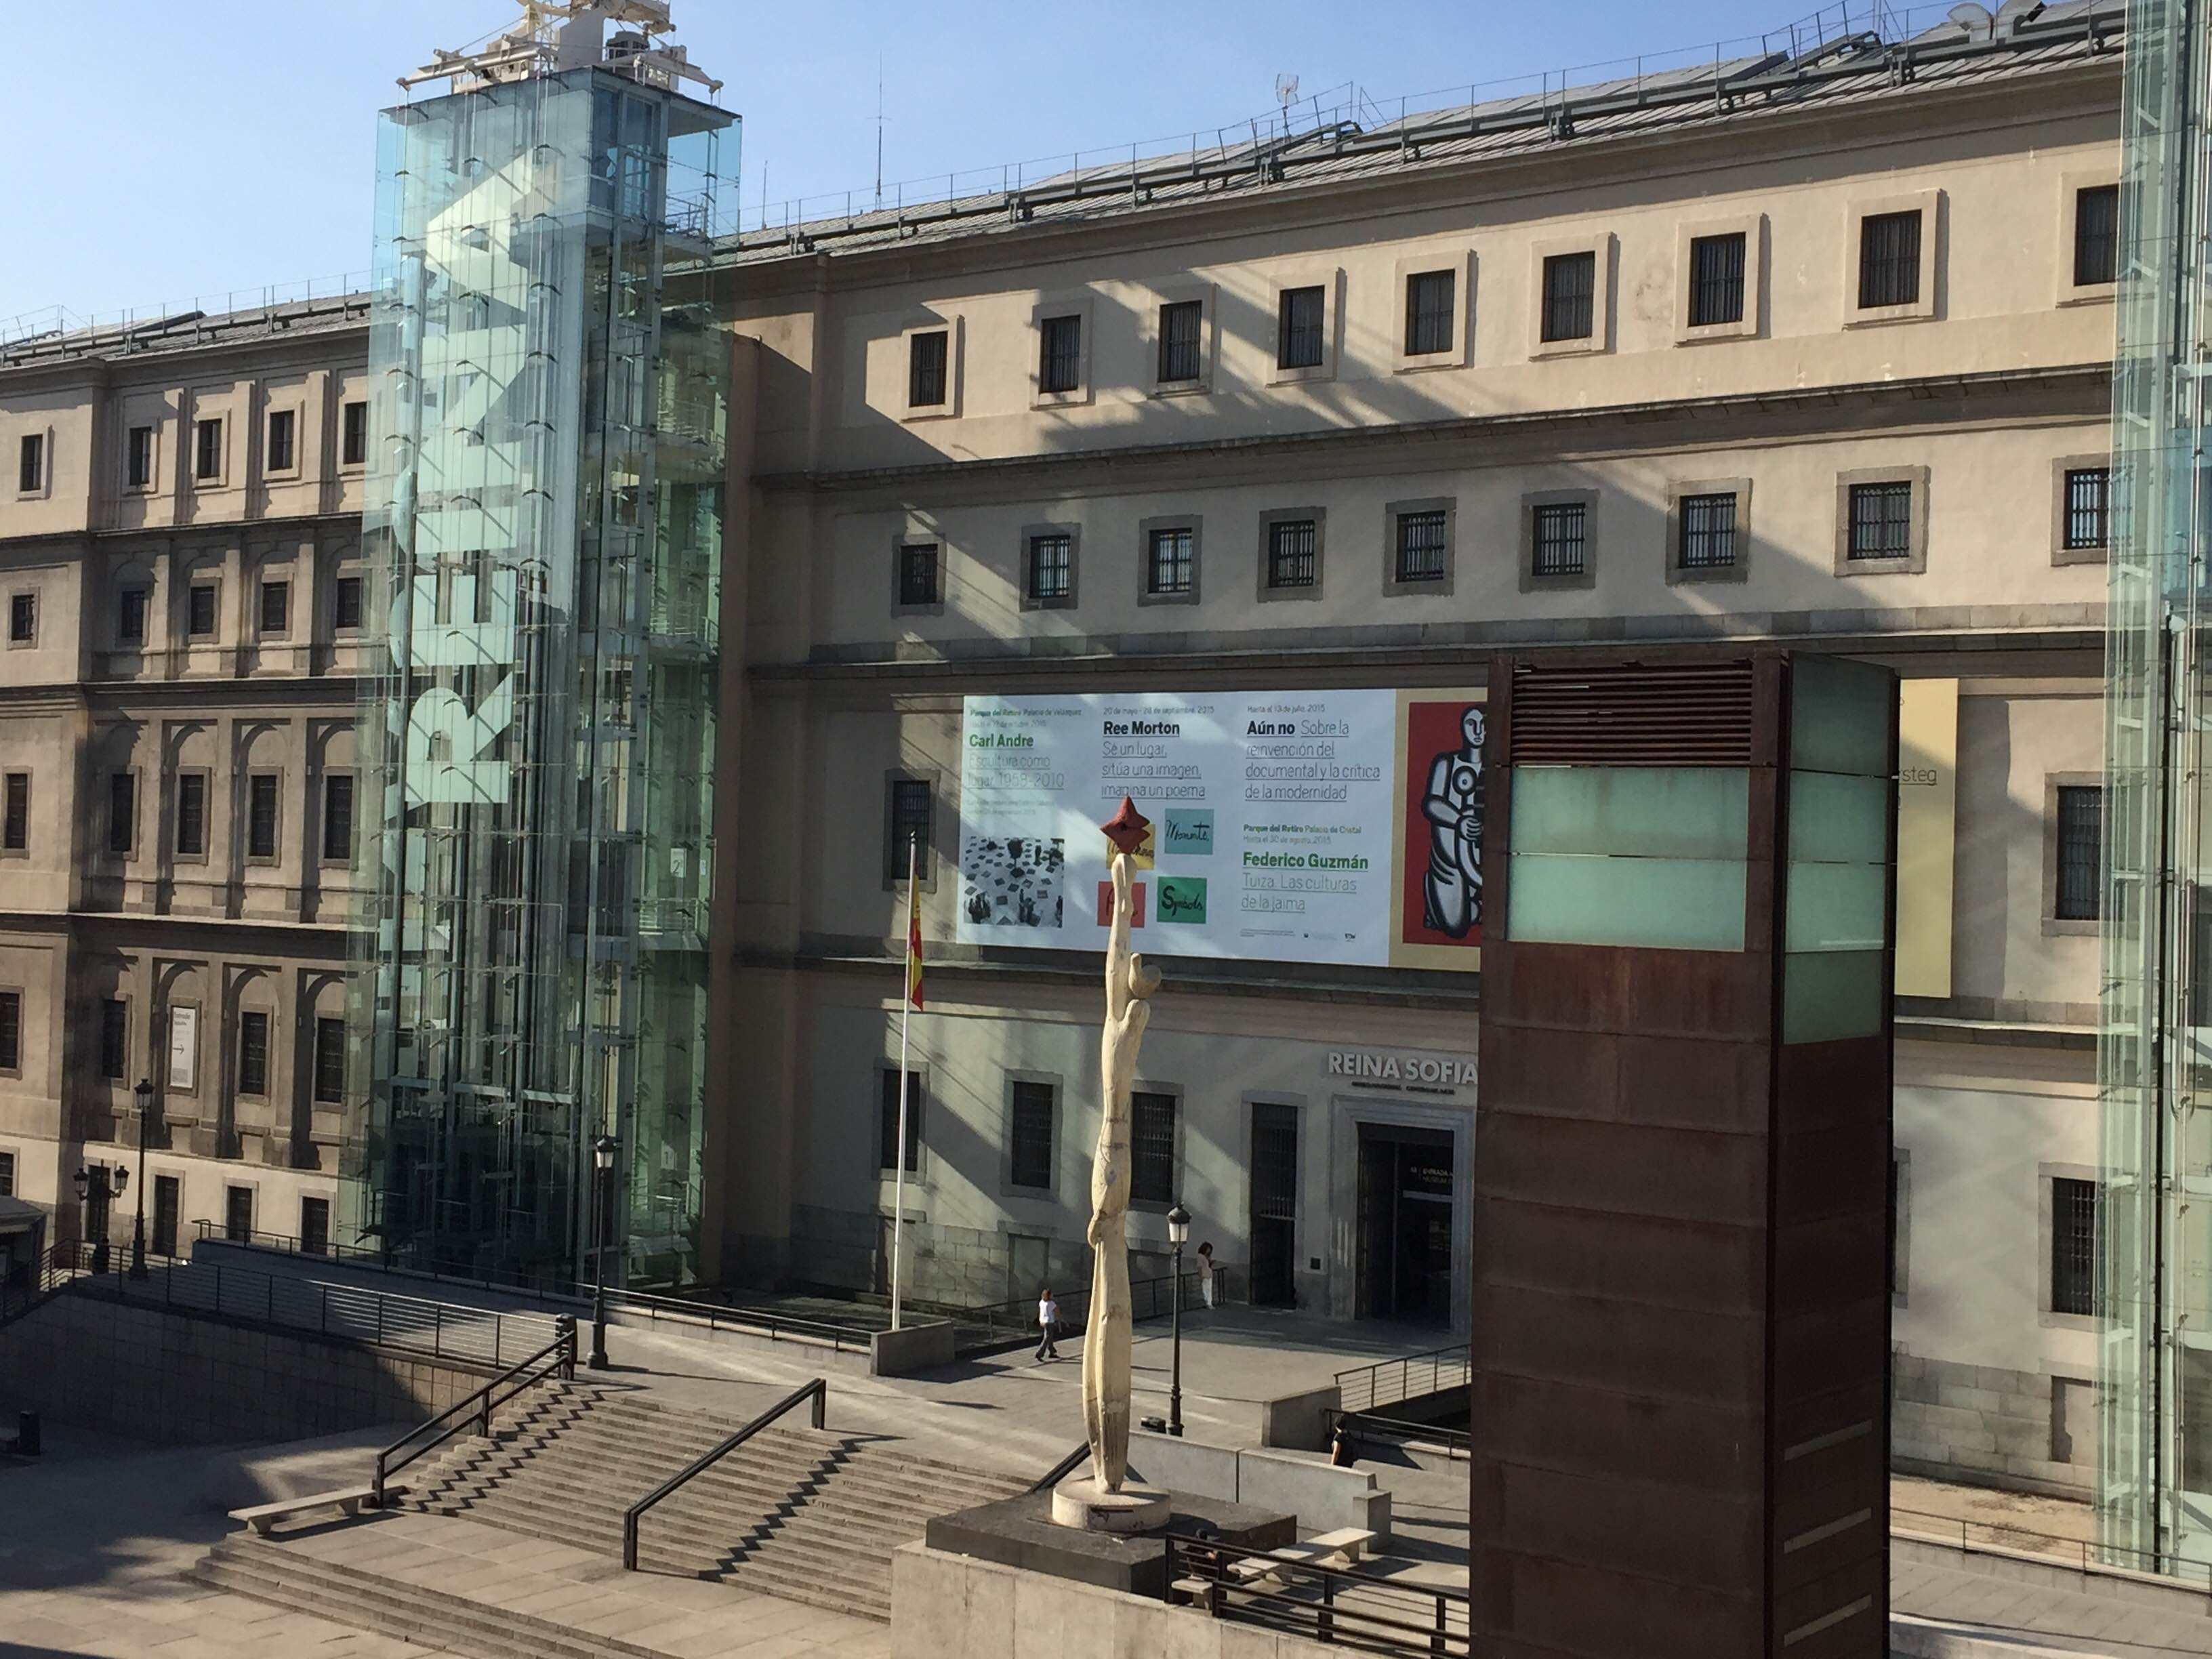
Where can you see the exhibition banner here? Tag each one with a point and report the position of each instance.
(1295, 826)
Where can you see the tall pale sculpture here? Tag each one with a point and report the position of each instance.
(1106, 1502)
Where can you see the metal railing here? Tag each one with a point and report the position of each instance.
(1003, 1323)
(557, 1359)
(1325, 1604)
(2084, 1554)
(1454, 1443)
(26, 1284)
(817, 1391)
(1391, 1381)
(1068, 1465)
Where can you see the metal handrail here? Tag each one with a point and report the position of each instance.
(1068, 1465)
(1361, 1388)
(1454, 1443)
(817, 1390)
(2083, 1554)
(1287, 1599)
(1149, 1299)
(556, 1355)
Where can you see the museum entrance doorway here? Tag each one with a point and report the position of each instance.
(1405, 1228)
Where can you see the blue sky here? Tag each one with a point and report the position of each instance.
(165, 152)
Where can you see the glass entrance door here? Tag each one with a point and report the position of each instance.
(1405, 1226)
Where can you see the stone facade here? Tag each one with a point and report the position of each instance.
(1988, 1424)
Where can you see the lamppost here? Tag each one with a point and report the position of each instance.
(95, 1186)
(144, 1092)
(1178, 1234)
(603, 1166)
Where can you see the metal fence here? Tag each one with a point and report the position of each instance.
(1323, 1604)
(1003, 1324)
(1392, 1381)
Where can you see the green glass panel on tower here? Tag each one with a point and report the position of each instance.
(543, 542)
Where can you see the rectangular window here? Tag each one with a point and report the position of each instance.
(207, 450)
(1298, 321)
(1051, 569)
(237, 1214)
(168, 1195)
(1170, 561)
(261, 816)
(314, 1227)
(138, 457)
(130, 616)
(16, 813)
(11, 1030)
(276, 606)
(1293, 553)
(2073, 1246)
(888, 1080)
(337, 818)
(2097, 235)
(122, 812)
(353, 435)
(1717, 279)
(1182, 326)
(1708, 532)
(330, 1060)
(1152, 1148)
(253, 1053)
(199, 611)
(910, 813)
(1889, 259)
(282, 423)
(7, 1175)
(927, 356)
(1430, 296)
(114, 1038)
(1570, 296)
(345, 608)
(30, 463)
(1559, 537)
(1059, 354)
(2080, 829)
(1881, 521)
(22, 618)
(1031, 1160)
(1421, 546)
(918, 573)
(191, 814)
(2088, 503)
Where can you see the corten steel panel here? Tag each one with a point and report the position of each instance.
(1678, 1395)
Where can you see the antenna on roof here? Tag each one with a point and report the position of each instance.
(1286, 93)
(879, 129)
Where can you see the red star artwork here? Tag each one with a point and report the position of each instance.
(1126, 829)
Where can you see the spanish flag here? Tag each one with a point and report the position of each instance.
(913, 927)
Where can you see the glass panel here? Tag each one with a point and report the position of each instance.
(1681, 904)
(1632, 811)
(1839, 717)
(1827, 996)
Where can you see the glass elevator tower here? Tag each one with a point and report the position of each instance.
(542, 552)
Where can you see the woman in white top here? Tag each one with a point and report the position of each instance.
(1206, 1273)
(1047, 1324)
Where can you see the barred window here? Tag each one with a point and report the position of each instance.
(1060, 364)
(918, 573)
(282, 425)
(1708, 532)
(329, 1060)
(276, 606)
(1716, 266)
(337, 818)
(1881, 521)
(928, 356)
(1051, 569)
(122, 811)
(1182, 326)
(1570, 296)
(1293, 553)
(261, 816)
(1429, 304)
(1421, 546)
(199, 611)
(31, 462)
(253, 1053)
(2081, 831)
(191, 814)
(207, 450)
(11, 1030)
(1152, 1148)
(1030, 1142)
(1298, 328)
(1558, 538)
(910, 826)
(1889, 259)
(887, 1149)
(345, 605)
(130, 616)
(15, 812)
(22, 618)
(2097, 235)
(353, 443)
(2088, 504)
(7, 1175)
(2074, 1229)
(1170, 562)
(114, 1038)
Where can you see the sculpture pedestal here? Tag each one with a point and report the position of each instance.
(1087, 1506)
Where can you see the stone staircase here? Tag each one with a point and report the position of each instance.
(797, 1513)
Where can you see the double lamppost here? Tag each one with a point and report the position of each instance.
(603, 1166)
(97, 1186)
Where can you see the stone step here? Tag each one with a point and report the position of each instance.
(710, 1524)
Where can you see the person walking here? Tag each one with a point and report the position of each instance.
(1206, 1273)
(1047, 1324)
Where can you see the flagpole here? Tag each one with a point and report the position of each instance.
(898, 1151)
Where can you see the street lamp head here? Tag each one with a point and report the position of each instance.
(144, 1092)
(1178, 1225)
(118, 1178)
(83, 1181)
(602, 1153)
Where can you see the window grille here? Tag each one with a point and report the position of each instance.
(345, 605)
(918, 573)
(199, 616)
(130, 616)
(15, 814)
(281, 427)
(261, 816)
(887, 1151)
(207, 458)
(11, 1030)
(276, 606)
(167, 1189)
(1030, 1152)
(138, 457)
(2097, 235)
(1182, 327)
(7, 1175)
(2081, 833)
(237, 1214)
(1881, 521)
(1051, 568)
(114, 1038)
(927, 356)
(329, 1060)
(1152, 1148)
(1421, 546)
(1171, 567)
(31, 464)
(1889, 259)
(2074, 1229)
(1708, 532)
(191, 814)
(253, 1053)
(1559, 541)
(1570, 296)
(910, 815)
(353, 443)
(1060, 366)
(1298, 328)
(314, 1227)
(22, 618)
(1717, 266)
(122, 811)
(337, 818)
(1293, 553)
(1429, 297)
(2088, 503)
